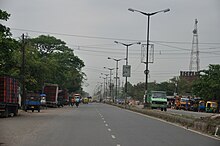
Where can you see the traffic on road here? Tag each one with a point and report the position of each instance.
(95, 124)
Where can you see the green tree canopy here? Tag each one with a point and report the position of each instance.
(8, 47)
(208, 84)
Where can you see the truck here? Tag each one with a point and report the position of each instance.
(9, 93)
(33, 102)
(51, 91)
(63, 98)
(156, 99)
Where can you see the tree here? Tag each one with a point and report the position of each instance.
(208, 84)
(58, 63)
(8, 47)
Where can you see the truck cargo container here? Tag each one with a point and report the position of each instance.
(9, 93)
(51, 91)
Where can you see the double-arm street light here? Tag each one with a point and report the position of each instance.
(126, 78)
(148, 33)
(110, 86)
(116, 84)
(105, 84)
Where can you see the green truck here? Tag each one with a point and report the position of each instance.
(156, 99)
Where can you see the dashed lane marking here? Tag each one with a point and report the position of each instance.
(109, 129)
(113, 136)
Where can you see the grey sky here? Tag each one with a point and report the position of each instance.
(111, 19)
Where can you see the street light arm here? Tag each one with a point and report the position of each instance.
(133, 10)
(127, 45)
(149, 14)
(165, 10)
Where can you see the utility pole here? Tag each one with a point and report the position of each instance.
(23, 72)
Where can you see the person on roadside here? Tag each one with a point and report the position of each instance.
(77, 101)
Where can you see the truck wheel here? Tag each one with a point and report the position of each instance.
(16, 111)
(38, 110)
(6, 113)
(165, 109)
(32, 110)
(161, 109)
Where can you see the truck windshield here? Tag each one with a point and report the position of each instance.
(158, 95)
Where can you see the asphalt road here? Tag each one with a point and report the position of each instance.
(95, 125)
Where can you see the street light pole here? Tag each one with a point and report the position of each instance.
(116, 84)
(126, 78)
(110, 86)
(148, 38)
(105, 84)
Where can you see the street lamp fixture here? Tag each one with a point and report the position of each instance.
(116, 85)
(148, 33)
(126, 78)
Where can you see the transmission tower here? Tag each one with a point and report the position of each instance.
(194, 59)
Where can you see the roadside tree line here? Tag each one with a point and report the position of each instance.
(206, 86)
(47, 60)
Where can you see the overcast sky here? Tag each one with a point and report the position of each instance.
(90, 27)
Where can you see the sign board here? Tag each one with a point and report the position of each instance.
(150, 53)
(126, 71)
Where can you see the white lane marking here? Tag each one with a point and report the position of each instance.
(113, 136)
(104, 121)
(118, 145)
(109, 129)
(106, 125)
(103, 118)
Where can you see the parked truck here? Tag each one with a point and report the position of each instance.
(51, 91)
(9, 93)
(156, 99)
(33, 102)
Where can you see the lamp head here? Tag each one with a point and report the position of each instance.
(130, 9)
(166, 10)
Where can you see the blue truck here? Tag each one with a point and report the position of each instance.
(33, 102)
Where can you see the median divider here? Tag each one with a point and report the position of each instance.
(207, 125)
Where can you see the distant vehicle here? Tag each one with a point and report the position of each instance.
(8, 96)
(85, 100)
(156, 99)
(193, 105)
(51, 91)
(62, 98)
(201, 107)
(120, 101)
(33, 102)
(184, 103)
(211, 107)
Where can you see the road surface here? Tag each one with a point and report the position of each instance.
(95, 125)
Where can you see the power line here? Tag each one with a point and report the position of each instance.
(108, 38)
(74, 35)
